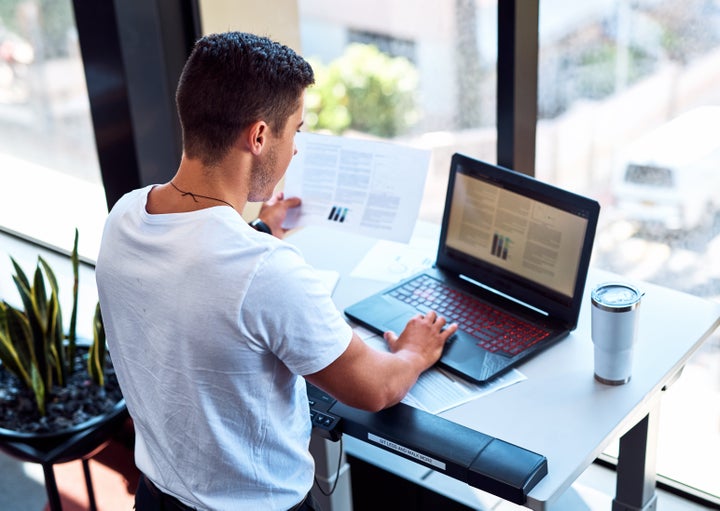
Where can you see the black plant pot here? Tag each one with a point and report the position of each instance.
(76, 442)
(71, 409)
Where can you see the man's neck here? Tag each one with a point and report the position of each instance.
(196, 186)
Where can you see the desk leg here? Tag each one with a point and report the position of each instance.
(636, 476)
(327, 454)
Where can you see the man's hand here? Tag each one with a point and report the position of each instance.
(424, 337)
(370, 379)
(273, 212)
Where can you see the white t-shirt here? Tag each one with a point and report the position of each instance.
(208, 324)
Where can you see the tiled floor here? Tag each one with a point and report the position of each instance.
(114, 480)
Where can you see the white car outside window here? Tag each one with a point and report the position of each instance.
(671, 176)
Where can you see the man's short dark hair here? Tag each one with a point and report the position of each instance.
(232, 80)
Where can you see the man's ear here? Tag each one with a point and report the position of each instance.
(256, 136)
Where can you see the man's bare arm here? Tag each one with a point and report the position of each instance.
(366, 378)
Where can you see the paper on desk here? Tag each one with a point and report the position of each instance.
(356, 185)
(390, 261)
(436, 390)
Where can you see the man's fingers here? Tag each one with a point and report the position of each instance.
(292, 202)
(431, 316)
(390, 337)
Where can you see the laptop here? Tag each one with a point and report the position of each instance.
(511, 267)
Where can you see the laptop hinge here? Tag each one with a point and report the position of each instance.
(500, 293)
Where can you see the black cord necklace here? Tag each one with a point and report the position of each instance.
(196, 195)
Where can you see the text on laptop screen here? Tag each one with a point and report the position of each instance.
(518, 234)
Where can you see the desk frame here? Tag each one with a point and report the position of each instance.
(564, 372)
(636, 476)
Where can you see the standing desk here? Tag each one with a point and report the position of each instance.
(560, 411)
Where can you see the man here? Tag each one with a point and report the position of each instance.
(211, 323)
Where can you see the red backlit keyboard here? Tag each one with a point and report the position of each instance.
(495, 330)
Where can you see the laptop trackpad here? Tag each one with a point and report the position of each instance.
(399, 323)
(382, 313)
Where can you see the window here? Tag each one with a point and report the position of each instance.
(609, 72)
(648, 174)
(442, 99)
(612, 76)
(49, 172)
(386, 44)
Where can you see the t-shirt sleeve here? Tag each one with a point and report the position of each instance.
(289, 312)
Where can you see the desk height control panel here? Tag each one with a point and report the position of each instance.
(480, 460)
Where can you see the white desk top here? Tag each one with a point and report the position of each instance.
(560, 411)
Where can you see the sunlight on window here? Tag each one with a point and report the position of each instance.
(613, 78)
(610, 71)
(49, 174)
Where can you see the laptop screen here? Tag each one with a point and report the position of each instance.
(517, 235)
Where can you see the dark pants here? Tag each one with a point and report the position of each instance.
(149, 498)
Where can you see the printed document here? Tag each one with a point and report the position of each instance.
(437, 390)
(391, 262)
(363, 186)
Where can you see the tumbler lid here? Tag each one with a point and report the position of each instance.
(616, 297)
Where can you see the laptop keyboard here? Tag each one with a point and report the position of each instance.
(495, 330)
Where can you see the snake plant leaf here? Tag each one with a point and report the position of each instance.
(75, 260)
(23, 286)
(40, 296)
(37, 328)
(96, 358)
(15, 360)
(54, 325)
(38, 387)
(11, 360)
(20, 274)
(55, 372)
(54, 341)
(19, 331)
(49, 273)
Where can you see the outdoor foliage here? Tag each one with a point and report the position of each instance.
(364, 90)
(46, 24)
(33, 345)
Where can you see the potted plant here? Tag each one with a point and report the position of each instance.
(53, 385)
